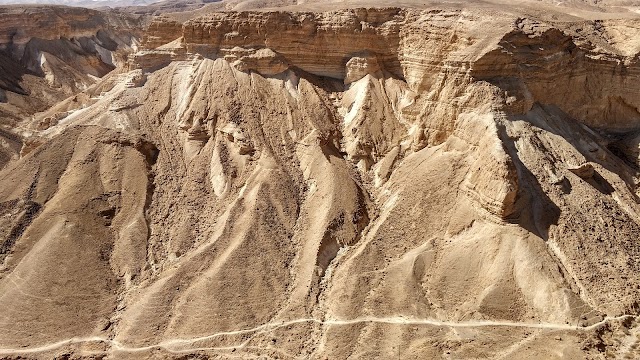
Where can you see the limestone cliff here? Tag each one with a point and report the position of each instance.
(359, 183)
(50, 53)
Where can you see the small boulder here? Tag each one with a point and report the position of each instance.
(264, 61)
(584, 171)
(360, 66)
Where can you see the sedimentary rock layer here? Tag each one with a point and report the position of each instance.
(363, 183)
(50, 53)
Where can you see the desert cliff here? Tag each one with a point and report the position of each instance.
(361, 183)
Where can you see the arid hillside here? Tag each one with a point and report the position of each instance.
(50, 53)
(420, 182)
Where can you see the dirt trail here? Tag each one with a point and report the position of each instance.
(171, 344)
(284, 175)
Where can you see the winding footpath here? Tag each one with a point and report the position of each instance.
(182, 345)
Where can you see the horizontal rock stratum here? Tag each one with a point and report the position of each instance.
(358, 183)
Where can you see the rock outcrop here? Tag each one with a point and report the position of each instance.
(359, 183)
(50, 53)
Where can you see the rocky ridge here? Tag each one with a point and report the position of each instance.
(361, 183)
(50, 53)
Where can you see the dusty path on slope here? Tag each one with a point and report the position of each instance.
(172, 344)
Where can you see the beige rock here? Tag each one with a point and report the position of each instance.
(359, 66)
(356, 183)
(264, 61)
(584, 171)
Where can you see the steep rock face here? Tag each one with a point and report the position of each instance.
(337, 33)
(406, 43)
(50, 53)
(525, 56)
(534, 64)
(353, 184)
(161, 31)
(21, 24)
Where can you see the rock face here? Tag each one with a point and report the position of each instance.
(360, 183)
(50, 53)
(339, 34)
(361, 65)
(547, 66)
